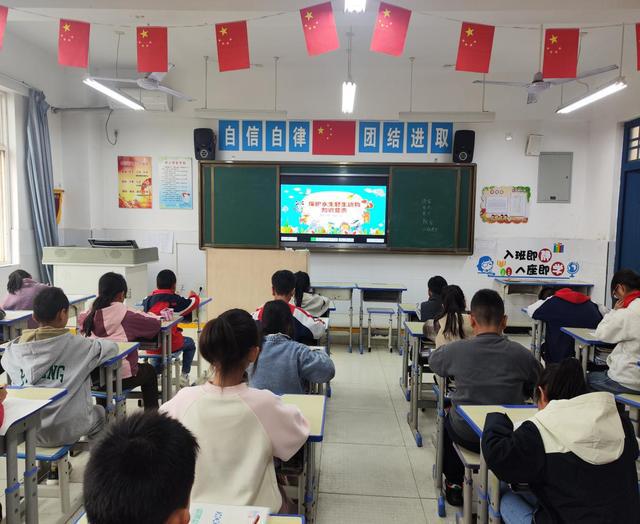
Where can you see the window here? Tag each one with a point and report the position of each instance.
(5, 198)
(634, 144)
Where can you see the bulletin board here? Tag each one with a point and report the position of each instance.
(505, 204)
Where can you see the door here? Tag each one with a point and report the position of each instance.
(628, 238)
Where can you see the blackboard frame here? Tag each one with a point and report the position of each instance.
(344, 168)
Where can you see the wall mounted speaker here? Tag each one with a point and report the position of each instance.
(204, 141)
(463, 142)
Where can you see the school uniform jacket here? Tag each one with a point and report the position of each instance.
(23, 298)
(306, 328)
(566, 308)
(578, 457)
(165, 298)
(622, 327)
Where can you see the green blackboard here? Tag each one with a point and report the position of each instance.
(430, 208)
(239, 205)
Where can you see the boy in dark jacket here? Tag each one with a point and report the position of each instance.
(166, 297)
(563, 308)
(432, 307)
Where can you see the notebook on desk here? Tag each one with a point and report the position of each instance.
(219, 514)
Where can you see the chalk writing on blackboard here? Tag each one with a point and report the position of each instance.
(426, 216)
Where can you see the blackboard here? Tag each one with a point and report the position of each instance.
(430, 205)
(239, 205)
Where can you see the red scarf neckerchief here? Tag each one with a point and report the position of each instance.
(630, 298)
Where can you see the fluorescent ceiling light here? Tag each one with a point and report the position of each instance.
(348, 96)
(119, 97)
(355, 6)
(256, 114)
(612, 87)
(467, 117)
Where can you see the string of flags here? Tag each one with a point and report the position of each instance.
(475, 44)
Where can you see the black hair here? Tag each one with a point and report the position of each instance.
(453, 306)
(48, 303)
(627, 278)
(166, 279)
(546, 292)
(277, 318)
(14, 283)
(487, 307)
(141, 470)
(303, 285)
(225, 341)
(563, 380)
(109, 286)
(283, 282)
(436, 285)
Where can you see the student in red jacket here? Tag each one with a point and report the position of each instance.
(166, 297)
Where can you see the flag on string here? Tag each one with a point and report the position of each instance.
(391, 28)
(637, 44)
(233, 46)
(73, 43)
(560, 53)
(152, 49)
(334, 137)
(474, 47)
(4, 11)
(319, 26)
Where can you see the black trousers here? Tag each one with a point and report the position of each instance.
(146, 378)
(452, 466)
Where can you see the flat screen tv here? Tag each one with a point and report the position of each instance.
(333, 211)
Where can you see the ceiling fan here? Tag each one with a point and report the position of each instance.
(149, 82)
(539, 84)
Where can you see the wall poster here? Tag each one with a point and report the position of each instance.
(176, 183)
(135, 189)
(505, 204)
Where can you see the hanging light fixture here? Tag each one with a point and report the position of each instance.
(355, 6)
(349, 86)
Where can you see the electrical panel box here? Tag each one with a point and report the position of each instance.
(554, 177)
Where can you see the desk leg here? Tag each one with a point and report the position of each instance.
(31, 476)
(311, 482)
(121, 402)
(494, 499)
(584, 351)
(482, 491)
(169, 347)
(399, 327)
(110, 405)
(351, 322)
(166, 367)
(12, 492)
(416, 380)
(361, 320)
(404, 375)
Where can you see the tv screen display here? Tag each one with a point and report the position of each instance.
(333, 211)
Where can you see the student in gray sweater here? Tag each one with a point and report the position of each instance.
(488, 369)
(286, 366)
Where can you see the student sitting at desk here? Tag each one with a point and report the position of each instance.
(166, 297)
(22, 292)
(562, 308)
(454, 323)
(304, 297)
(432, 307)
(286, 366)
(306, 329)
(50, 356)
(488, 369)
(110, 318)
(141, 471)
(621, 326)
(577, 454)
(240, 429)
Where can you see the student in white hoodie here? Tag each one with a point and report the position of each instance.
(239, 429)
(621, 326)
(577, 455)
(305, 298)
(50, 356)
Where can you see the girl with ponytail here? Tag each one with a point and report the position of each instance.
(22, 291)
(110, 318)
(239, 429)
(454, 323)
(621, 326)
(305, 298)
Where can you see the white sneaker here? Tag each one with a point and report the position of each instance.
(184, 380)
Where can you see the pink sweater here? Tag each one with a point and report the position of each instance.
(240, 430)
(23, 298)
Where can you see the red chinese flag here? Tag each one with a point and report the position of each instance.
(638, 44)
(560, 53)
(319, 26)
(474, 48)
(391, 28)
(152, 49)
(4, 11)
(334, 137)
(233, 46)
(73, 43)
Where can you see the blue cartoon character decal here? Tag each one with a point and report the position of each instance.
(485, 265)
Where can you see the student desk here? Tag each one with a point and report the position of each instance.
(79, 302)
(489, 489)
(318, 388)
(585, 342)
(313, 408)
(273, 519)
(409, 313)
(339, 291)
(14, 322)
(388, 293)
(196, 317)
(412, 330)
(537, 335)
(21, 422)
(164, 338)
(110, 374)
(633, 403)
